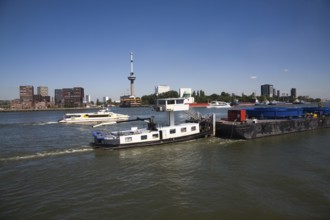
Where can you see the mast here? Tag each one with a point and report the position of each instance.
(132, 71)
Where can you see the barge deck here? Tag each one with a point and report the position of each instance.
(243, 128)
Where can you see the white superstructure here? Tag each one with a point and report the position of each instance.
(219, 104)
(100, 116)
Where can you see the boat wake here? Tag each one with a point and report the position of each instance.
(47, 154)
(28, 124)
(221, 141)
(43, 123)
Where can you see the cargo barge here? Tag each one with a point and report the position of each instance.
(262, 122)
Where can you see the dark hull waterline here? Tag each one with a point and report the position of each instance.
(151, 143)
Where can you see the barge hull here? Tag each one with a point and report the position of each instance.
(264, 128)
(152, 143)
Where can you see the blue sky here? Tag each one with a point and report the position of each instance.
(212, 45)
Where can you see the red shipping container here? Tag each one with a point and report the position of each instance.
(237, 115)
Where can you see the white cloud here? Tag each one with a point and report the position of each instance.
(253, 77)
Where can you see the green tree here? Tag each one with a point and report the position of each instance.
(149, 99)
(226, 97)
(224, 94)
(214, 97)
(169, 94)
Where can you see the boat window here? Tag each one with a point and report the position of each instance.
(179, 101)
(144, 137)
(171, 102)
(72, 116)
(193, 128)
(172, 131)
(183, 130)
(97, 116)
(161, 102)
(155, 136)
(128, 139)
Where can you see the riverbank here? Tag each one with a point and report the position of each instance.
(65, 109)
(48, 109)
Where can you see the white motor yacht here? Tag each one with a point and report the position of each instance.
(103, 115)
(219, 104)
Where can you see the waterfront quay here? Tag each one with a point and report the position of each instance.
(48, 109)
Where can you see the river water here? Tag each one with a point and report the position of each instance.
(49, 171)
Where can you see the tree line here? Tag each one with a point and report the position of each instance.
(201, 97)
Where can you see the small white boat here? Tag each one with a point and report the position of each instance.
(103, 115)
(219, 104)
(297, 101)
(266, 102)
(274, 102)
(197, 127)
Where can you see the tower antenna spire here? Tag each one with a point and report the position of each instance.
(132, 77)
(132, 71)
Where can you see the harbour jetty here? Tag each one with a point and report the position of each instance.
(253, 123)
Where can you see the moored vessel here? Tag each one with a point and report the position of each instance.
(218, 104)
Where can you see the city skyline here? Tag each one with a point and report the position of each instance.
(52, 95)
(214, 46)
(267, 90)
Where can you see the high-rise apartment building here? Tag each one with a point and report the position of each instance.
(267, 90)
(72, 97)
(105, 99)
(78, 96)
(42, 95)
(67, 94)
(40, 98)
(26, 94)
(42, 90)
(293, 93)
(88, 99)
(58, 97)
